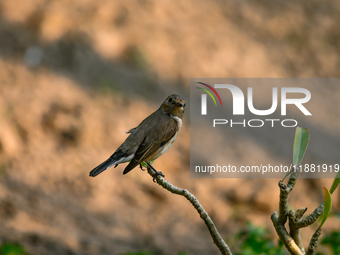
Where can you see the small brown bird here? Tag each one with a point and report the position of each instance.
(150, 139)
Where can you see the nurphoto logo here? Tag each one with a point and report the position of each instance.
(238, 120)
(238, 107)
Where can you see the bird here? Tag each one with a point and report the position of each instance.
(150, 139)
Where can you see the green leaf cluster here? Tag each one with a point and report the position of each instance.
(11, 249)
(254, 240)
(333, 241)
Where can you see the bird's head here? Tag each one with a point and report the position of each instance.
(173, 105)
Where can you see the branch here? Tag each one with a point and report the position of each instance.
(315, 238)
(293, 241)
(279, 219)
(313, 242)
(284, 192)
(295, 216)
(284, 236)
(295, 223)
(219, 242)
(309, 220)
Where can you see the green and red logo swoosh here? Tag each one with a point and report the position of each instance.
(208, 92)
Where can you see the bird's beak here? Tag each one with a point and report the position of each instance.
(180, 104)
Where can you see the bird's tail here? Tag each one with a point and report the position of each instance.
(102, 167)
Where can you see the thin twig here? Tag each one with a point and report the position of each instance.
(220, 243)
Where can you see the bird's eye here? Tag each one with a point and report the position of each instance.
(170, 100)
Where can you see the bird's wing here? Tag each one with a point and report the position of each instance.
(153, 140)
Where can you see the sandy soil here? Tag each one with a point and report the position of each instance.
(74, 75)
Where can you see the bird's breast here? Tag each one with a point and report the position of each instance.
(166, 146)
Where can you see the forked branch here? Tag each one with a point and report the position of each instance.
(219, 242)
(292, 240)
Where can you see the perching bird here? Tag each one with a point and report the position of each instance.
(150, 139)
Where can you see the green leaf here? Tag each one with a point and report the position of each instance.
(327, 207)
(289, 172)
(300, 144)
(336, 183)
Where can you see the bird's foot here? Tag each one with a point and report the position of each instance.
(141, 167)
(156, 172)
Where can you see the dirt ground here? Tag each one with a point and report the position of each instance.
(75, 75)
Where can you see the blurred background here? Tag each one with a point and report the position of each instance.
(75, 75)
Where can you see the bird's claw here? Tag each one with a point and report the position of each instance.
(156, 174)
(141, 167)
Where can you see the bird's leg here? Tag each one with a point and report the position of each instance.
(157, 173)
